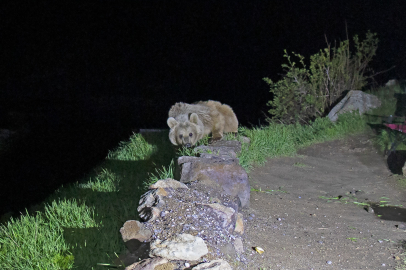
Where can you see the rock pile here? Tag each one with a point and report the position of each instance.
(195, 222)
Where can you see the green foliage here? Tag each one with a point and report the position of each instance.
(64, 262)
(134, 149)
(378, 116)
(105, 181)
(284, 140)
(292, 92)
(386, 137)
(33, 243)
(69, 214)
(190, 151)
(165, 172)
(308, 93)
(186, 151)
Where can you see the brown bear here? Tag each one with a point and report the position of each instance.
(191, 122)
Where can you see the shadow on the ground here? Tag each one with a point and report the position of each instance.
(58, 148)
(394, 213)
(396, 160)
(400, 105)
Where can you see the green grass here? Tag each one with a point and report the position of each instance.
(165, 172)
(69, 214)
(185, 151)
(32, 242)
(284, 140)
(135, 148)
(105, 181)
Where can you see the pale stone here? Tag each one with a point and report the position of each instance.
(165, 266)
(392, 82)
(239, 247)
(168, 183)
(147, 264)
(239, 224)
(213, 265)
(179, 247)
(161, 192)
(354, 100)
(404, 169)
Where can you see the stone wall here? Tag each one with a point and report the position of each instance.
(193, 223)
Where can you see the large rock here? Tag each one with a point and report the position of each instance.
(213, 265)
(216, 172)
(133, 229)
(354, 100)
(223, 149)
(179, 247)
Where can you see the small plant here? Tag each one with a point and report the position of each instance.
(307, 93)
(190, 151)
(186, 151)
(160, 174)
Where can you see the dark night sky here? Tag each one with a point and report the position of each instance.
(83, 75)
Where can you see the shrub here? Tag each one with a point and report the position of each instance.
(308, 93)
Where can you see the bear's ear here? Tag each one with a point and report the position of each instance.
(172, 135)
(193, 118)
(171, 122)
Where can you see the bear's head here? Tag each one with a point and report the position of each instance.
(185, 133)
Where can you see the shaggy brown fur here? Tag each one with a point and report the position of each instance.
(191, 122)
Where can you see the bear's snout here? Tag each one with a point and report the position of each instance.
(188, 145)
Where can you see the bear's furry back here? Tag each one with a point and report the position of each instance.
(181, 112)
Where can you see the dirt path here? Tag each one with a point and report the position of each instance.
(299, 230)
